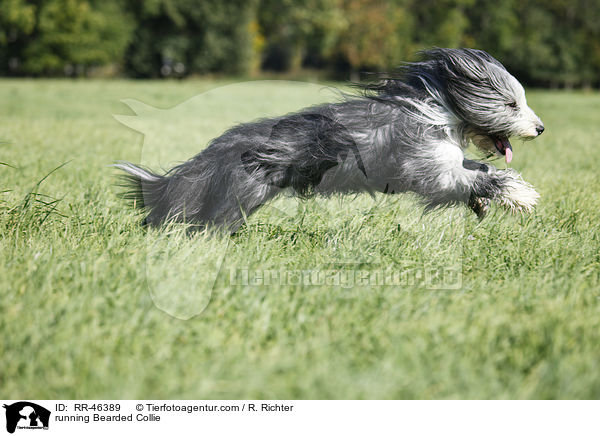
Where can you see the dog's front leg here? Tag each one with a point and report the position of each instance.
(515, 194)
(479, 205)
(452, 179)
(506, 187)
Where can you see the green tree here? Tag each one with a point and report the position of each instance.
(441, 23)
(186, 36)
(53, 36)
(17, 20)
(377, 34)
(298, 32)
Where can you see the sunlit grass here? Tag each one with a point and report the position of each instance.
(78, 319)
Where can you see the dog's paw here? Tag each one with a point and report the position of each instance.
(517, 195)
(480, 206)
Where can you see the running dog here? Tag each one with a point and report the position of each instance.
(404, 132)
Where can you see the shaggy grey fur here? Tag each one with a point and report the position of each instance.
(406, 132)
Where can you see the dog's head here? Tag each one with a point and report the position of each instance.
(477, 89)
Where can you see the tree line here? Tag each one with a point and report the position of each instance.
(544, 42)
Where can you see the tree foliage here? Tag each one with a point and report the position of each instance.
(544, 42)
(175, 37)
(61, 36)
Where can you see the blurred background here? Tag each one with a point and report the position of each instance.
(545, 43)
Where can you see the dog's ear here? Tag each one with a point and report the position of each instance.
(469, 66)
(470, 75)
(463, 64)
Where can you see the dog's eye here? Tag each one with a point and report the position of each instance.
(512, 104)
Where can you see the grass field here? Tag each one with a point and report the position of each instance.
(77, 276)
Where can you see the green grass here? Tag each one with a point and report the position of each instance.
(77, 274)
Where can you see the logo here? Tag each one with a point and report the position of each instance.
(26, 415)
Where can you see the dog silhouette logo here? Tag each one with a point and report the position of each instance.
(26, 415)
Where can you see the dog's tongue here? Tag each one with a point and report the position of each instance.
(503, 145)
(508, 155)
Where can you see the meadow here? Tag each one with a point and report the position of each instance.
(90, 310)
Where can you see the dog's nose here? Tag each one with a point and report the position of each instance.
(539, 129)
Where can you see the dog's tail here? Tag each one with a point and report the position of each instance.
(144, 189)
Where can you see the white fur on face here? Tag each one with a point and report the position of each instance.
(526, 121)
(483, 95)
